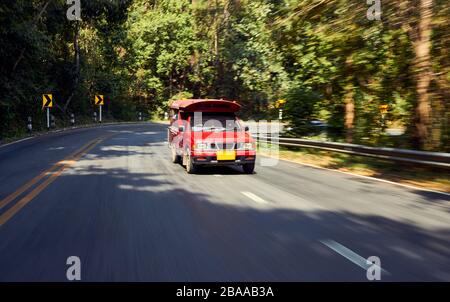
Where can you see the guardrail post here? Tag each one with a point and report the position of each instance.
(30, 124)
(52, 121)
(72, 119)
(280, 114)
(95, 117)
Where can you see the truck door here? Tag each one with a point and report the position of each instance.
(173, 128)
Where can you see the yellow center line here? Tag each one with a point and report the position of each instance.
(25, 187)
(36, 179)
(30, 196)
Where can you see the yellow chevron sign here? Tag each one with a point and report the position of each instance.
(280, 103)
(47, 101)
(99, 100)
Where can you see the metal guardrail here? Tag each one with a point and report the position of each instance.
(436, 159)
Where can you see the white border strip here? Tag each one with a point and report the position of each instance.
(349, 255)
(254, 197)
(79, 127)
(19, 141)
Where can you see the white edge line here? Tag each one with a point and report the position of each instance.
(254, 197)
(39, 134)
(18, 141)
(350, 255)
(363, 176)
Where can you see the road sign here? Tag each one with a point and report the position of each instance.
(47, 101)
(99, 100)
(280, 103)
(384, 108)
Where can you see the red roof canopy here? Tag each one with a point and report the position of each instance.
(205, 105)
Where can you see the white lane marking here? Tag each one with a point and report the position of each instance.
(349, 254)
(366, 177)
(15, 142)
(81, 127)
(255, 198)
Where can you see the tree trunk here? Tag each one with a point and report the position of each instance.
(76, 47)
(216, 28)
(349, 101)
(423, 75)
(349, 112)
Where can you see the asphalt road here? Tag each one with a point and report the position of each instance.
(113, 198)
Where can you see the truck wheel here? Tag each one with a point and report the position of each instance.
(191, 168)
(248, 168)
(175, 158)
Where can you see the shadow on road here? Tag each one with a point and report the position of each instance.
(147, 226)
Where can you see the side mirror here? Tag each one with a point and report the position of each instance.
(246, 129)
(181, 129)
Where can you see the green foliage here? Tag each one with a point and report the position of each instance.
(38, 56)
(300, 108)
(318, 55)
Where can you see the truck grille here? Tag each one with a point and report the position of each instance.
(223, 146)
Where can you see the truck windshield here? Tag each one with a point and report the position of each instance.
(212, 121)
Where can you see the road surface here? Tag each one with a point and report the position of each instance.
(111, 197)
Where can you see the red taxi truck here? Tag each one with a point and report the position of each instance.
(208, 132)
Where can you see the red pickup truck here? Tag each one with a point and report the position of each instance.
(208, 132)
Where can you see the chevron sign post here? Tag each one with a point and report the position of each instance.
(99, 101)
(47, 102)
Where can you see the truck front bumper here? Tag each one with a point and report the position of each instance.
(210, 158)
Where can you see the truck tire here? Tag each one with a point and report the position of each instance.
(175, 157)
(248, 168)
(191, 168)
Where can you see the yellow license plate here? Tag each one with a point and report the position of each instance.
(226, 155)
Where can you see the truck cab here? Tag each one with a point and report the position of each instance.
(208, 132)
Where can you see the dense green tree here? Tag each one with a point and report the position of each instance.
(327, 58)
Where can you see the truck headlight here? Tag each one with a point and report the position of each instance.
(201, 146)
(249, 146)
